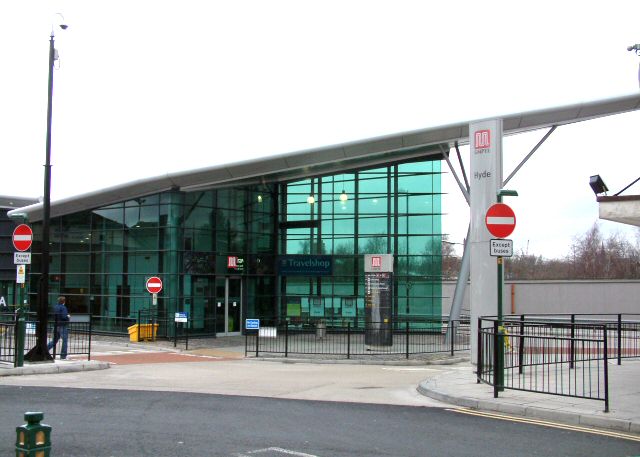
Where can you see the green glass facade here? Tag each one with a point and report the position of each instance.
(391, 210)
(101, 259)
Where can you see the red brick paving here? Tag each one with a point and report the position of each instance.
(154, 357)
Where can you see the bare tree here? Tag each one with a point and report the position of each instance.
(592, 256)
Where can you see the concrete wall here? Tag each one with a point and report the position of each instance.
(622, 296)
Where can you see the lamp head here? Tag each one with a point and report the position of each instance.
(507, 193)
(18, 216)
(597, 185)
(64, 26)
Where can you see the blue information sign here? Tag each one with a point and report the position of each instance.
(305, 265)
(252, 324)
(181, 317)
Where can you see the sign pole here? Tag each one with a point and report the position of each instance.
(500, 380)
(501, 329)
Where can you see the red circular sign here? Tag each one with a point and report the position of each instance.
(500, 220)
(154, 285)
(22, 237)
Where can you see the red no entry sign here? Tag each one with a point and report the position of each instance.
(154, 285)
(500, 220)
(22, 237)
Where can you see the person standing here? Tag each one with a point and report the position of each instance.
(61, 329)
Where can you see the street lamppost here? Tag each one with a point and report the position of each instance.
(636, 48)
(40, 353)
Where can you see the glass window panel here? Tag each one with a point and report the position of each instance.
(138, 214)
(262, 243)
(326, 290)
(416, 183)
(199, 218)
(372, 244)
(202, 240)
(74, 282)
(143, 263)
(342, 287)
(299, 247)
(372, 226)
(55, 265)
(343, 245)
(344, 226)
(137, 286)
(78, 221)
(341, 209)
(113, 262)
(300, 210)
(327, 228)
(110, 240)
(429, 266)
(112, 284)
(203, 199)
(75, 241)
(414, 167)
(142, 239)
(373, 205)
(298, 285)
(343, 266)
(417, 244)
(222, 241)
(237, 241)
(76, 263)
(149, 216)
(170, 215)
(97, 262)
(420, 225)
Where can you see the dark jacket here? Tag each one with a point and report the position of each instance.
(61, 314)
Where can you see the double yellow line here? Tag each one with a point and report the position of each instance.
(575, 428)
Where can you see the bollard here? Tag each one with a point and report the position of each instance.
(33, 439)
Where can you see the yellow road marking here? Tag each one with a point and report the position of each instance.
(575, 428)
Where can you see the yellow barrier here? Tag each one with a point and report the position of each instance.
(145, 332)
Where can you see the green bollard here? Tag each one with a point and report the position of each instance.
(33, 439)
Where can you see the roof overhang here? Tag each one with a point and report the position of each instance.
(623, 209)
(337, 158)
(7, 201)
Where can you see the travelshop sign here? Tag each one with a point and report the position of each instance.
(304, 265)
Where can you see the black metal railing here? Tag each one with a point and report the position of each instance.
(7, 340)
(320, 338)
(623, 329)
(565, 355)
(79, 332)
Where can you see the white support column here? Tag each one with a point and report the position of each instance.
(485, 141)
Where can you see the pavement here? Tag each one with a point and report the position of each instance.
(451, 381)
(459, 387)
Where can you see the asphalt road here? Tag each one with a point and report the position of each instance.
(126, 423)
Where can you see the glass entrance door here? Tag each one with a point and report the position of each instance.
(228, 306)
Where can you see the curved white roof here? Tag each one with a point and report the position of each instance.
(328, 159)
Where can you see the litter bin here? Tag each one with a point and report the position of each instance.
(146, 332)
(321, 329)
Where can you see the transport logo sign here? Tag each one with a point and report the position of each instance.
(500, 220)
(482, 139)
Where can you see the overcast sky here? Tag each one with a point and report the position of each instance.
(148, 87)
